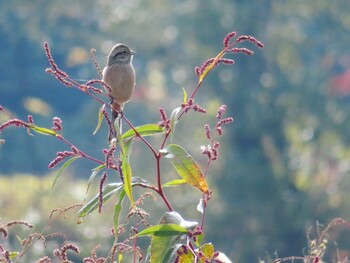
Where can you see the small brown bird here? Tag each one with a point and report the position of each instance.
(119, 74)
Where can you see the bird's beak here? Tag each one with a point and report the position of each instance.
(132, 52)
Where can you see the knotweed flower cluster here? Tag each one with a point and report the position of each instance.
(94, 258)
(5, 254)
(14, 123)
(212, 149)
(97, 81)
(195, 233)
(110, 125)
(164, 121)
(200, 70)
(100, 195)
(67, 81)
(228, 44)
(110, 159)
(63, 155)
(56, 124)
(189, 105)
(61, 253)
(54, 70)
(4, 227)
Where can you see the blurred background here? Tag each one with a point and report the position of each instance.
(284, 163)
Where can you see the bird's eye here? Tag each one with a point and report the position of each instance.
(120, 53)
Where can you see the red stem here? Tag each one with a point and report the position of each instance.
(141, 137)
(160, 190)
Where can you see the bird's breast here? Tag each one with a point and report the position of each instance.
(121, 79)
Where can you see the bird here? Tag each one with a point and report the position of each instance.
(119, 75)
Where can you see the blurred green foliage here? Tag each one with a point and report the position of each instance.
(284, 163)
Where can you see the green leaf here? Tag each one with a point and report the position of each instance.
(126, 168)
(141, 182)
(174, 183)
(186, 258)
(163, 248)
(144, 130)
(148, 254)
(166, 237)
(199, 239)
(95, 171)
(42, 130)
(174, 217)
(117, 209)
(107, 193)
(120, 257)
(186, 167)
(185, 95)
(210, 67)
(13, 254)
(208, 251)
(100, 118)
(162, 230)
(125, 150)
(63, 167)
(173, 120)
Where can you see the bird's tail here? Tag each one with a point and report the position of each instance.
(116, 123)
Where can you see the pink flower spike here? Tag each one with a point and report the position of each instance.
(207, 152)
(187, 108)
(97, 81)
(250, 39)
(100, 196)
(93, 89)
(216, 145)
(30, 119)
(224, 121)
(57, 124)
(13, 122)
(163, 114)
(55, 70)
(228, 37)
(241, 50)
(110, 125)
(199, 109)
(55, 161)
(109, 156)
(215, 154)
(75, 150)
(221, 111)
(226, 61)
(205, 65)
(197, 70)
